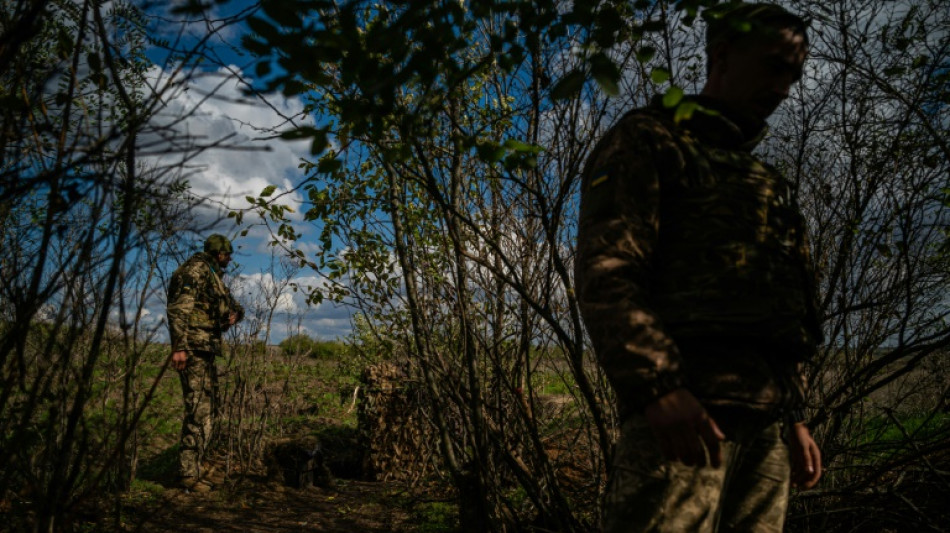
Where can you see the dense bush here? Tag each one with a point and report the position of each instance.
(296, 345)
(305, 345)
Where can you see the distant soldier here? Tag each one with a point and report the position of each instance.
(200, 310)
(695, 283)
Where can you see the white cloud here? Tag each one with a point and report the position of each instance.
(244, 157)
(263, 291)
(226, 139)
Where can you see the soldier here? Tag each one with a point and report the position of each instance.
(200, 310)
(695, 284)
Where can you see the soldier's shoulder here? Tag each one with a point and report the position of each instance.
(638, 132)
(648, 121)
(643, 126)
(195, 265)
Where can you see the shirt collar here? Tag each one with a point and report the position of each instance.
(720, 125)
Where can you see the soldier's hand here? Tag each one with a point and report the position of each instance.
(179, 359)
(684, 429)
(805, 457)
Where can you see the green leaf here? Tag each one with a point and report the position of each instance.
(263, 28)
(64, 44)
(283, 12)
(516, 145)
(293, 87)
(329, 165)
(672, 97)
(319, 143)
(894, 71)
(269, 190)
(645, 54)
(921, 61)
(659, 75)
(490, 152)
(95, 63)
(568, 85)
(684, 111)
(303, 132)
(191, 7)
(262, 69)
(606, 73)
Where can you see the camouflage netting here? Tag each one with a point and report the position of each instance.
(398, 441)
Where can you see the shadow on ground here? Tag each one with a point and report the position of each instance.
(257, 506)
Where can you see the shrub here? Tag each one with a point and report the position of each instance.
(297, 345)
(327, 350)
(304, 345)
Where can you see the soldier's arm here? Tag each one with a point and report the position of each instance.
(181, 305)
(805, 456)
(617, 235)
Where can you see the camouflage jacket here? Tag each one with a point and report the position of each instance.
(692, 265)
(199, 305)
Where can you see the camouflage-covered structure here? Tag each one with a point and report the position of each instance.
(395, 436)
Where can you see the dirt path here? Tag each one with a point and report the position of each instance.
(267, 507)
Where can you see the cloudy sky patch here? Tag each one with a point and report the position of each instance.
(229, 143)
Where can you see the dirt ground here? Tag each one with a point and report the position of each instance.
(260, 506)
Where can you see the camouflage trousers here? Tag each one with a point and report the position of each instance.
(749, 492)
(199, 387)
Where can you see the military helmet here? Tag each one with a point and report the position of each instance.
(217, 243)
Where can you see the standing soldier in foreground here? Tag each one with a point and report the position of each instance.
(695, 284)
(200, 310)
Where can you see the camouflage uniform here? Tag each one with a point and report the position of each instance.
(199, 305)
(693, 271)
(648, 493)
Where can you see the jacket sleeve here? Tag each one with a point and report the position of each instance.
(185, 285)
(616, 239)
(814, 333)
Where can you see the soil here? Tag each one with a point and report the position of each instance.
(261, 502)
(261, 506)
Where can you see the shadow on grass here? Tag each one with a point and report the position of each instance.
(161, 468)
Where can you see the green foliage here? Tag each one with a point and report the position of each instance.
(329, 350)
(368, 54)
(296, 345)
(889, 432)
(302, 344)
(446, 205)
(436, 517)
(441, 171)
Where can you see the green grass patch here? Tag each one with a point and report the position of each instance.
(552, 383)
(143, 491)
(883, 429)
(436, 517)
(161, 468)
